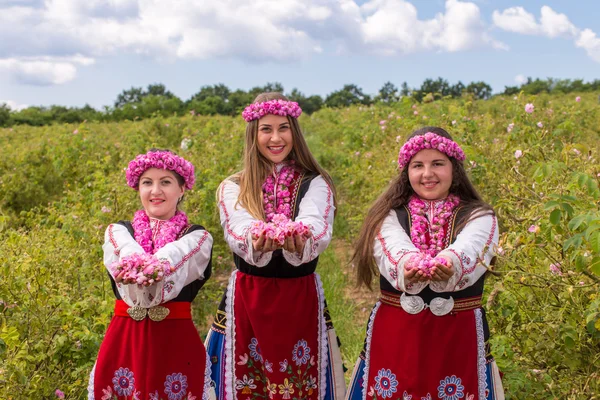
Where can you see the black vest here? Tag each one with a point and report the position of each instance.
(190, 291)
(278, 267)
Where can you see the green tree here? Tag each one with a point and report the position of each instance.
(308, 104)
(133, 95)
(4, 115)
(405, 90)
(220, 90)
(480, 90)
(350, 94)
(388, 93)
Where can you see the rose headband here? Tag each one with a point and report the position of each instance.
(276, 107)
(160, 160)
(429, 141)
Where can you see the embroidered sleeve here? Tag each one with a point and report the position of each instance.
(316, 210)
(118, 243)
(189, 256)
(393, 248)
(470, 253)
(236, 223)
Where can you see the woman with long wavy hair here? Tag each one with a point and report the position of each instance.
(431, 239)
(272, 336)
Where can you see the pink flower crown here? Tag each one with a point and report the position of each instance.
(160, 160)
(276, 107)
(429, 140)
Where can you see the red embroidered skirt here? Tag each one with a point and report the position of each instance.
(278, 345)
(151, 360)
(425, 356)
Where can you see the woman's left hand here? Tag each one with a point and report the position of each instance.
(440, 272)
(295, 244)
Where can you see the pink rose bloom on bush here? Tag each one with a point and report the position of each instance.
(59, 394)
(540, 125)
(555, 269)
(518, 154)
(529, 108)
(533, 229)
(510, 127)
(578, 99)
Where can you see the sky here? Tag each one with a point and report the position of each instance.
(77, 52)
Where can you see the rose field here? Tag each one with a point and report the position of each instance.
(536, 159)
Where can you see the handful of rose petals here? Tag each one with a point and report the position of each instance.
(279, 228)
(141, 269)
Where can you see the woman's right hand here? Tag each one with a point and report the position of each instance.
(264, 244)
(414, 275)
(119, 279)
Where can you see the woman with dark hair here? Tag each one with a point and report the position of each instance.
(272, 336)
(431, 238)
(156, 263)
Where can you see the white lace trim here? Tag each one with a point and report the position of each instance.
(90, 387)
(207, 379)
(230, 340)
(480, 353)
(368, 350)
(322, 338)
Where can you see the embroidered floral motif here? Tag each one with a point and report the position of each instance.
(268, 366)
(286, 389)
(124, 382)
(245, 385)
(154, 396)
(310, 384)
(451, 389)
(107, 393)
(271, 388)
(255, 350)
(243, 359)
(283, 365)
(428, 397)
(406, 396)
(176, 386)
(299, 381)
(385, 383)
(301, 352)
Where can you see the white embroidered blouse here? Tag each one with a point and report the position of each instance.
(470, 253)
(189, 255)
(316, 210)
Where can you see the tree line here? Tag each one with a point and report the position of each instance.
(137, 102)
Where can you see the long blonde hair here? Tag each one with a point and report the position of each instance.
(257, 167)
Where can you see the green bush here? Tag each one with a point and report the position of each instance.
(55, 298)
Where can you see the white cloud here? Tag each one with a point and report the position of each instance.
(13, 105)
(516, 19)
(520, 79)
(393, 27)
(34, 34)
(552, 24)
(45, 70)
(590, 42)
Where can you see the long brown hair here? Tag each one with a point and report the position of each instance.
(257, 167)
(397, 194)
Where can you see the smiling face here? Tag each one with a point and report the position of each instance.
(274, 141)
(430, 174)
(160, 192)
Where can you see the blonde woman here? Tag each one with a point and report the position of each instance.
(272, 336)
